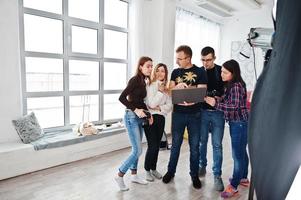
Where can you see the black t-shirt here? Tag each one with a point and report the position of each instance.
(215, 85)
(192, 77)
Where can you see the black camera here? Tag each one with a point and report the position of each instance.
(145, 121)
(213, 93)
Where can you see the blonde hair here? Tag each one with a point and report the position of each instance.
(153, 76)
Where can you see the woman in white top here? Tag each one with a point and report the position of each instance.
(159, 105)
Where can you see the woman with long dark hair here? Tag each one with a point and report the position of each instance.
(133, 98)
(233, 104)
(159, 104)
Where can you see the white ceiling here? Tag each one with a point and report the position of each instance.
(231, 7)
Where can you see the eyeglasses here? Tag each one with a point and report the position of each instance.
(207, 60)
(180, 59)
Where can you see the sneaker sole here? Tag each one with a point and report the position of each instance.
(141, 183)
(158, 177)
(150, 180)
(234, 195)
(124, 189)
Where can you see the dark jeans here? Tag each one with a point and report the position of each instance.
(212, 121)
(239, 138)
(179, 122)
(153, 135)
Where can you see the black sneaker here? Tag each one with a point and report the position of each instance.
(202, 171)
(167, 177)
(196, 182)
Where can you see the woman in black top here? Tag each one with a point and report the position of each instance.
(133, 98)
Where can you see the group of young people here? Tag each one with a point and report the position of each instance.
(147, 100)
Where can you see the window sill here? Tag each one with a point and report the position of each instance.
(64, 138)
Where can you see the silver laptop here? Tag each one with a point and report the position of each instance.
(189, 95)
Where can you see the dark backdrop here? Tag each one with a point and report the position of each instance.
(275, 121)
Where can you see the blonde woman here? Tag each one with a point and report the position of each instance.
(159, 104)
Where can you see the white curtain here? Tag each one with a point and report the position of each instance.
(136, 33)
(197, 32)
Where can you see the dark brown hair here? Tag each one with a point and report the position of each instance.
(141, 62)
(207, 50)
(233, 67)
(186, 49)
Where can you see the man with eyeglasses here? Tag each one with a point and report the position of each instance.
(186, 115)
(212, 120)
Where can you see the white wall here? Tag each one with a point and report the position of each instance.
(10, 88)
(237, 28)
(153, 22)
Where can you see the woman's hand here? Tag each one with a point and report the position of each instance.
(139, 113)
(210, 100)
(151, 120)
(161, 87)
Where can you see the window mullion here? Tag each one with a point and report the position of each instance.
(101, 61)
(22, 53)
(67, 47)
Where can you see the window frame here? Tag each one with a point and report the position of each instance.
(67, 23)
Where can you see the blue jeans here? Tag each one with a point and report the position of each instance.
(179, 122)
(135, 131)
(239, 138)
(214, 122)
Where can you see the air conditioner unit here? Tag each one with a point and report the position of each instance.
(216, 7)
(251, 3)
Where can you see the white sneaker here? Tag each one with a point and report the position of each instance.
(136, 179)
(120, 182)
(149, 176)
(156, 174)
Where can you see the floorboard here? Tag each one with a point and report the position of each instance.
(92, 179)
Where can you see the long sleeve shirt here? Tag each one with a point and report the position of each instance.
(156, 98)
(134, 93)
(233, 103)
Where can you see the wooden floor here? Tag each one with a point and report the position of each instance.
(92, 179)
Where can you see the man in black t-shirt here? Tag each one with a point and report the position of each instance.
(212, 120)
(186, 115)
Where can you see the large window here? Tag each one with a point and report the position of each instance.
(74, 60)
(197, 32)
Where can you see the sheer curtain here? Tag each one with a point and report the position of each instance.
(136, 33)
(197, 32)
